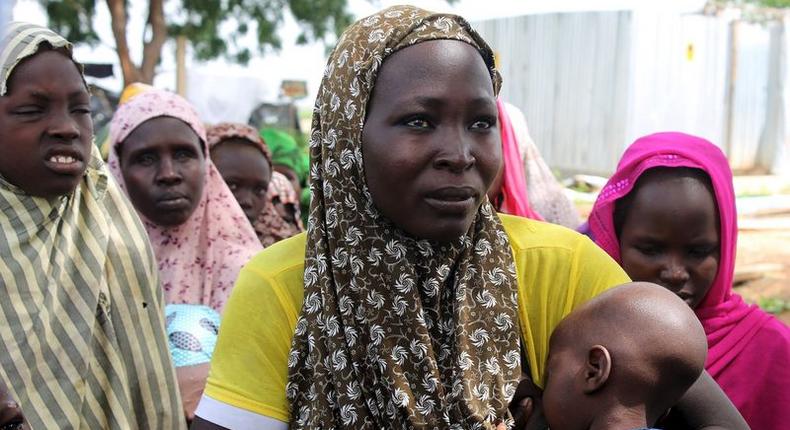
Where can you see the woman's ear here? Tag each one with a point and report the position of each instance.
(597, 368)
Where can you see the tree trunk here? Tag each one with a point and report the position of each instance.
(152, 49)
(118, 15)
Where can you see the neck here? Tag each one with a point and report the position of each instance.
(620, 417)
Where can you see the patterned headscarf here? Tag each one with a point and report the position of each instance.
(395, 332)
(200, 259)
(270, 225)
(228, 130)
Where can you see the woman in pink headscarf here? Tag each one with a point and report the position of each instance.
(525, 185)
(668, 216)
(199, 232)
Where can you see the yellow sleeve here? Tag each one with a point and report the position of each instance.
(249, 368)
(558, 270)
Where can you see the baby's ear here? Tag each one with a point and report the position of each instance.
(596, 369)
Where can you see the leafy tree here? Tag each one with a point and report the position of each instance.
(200, 21)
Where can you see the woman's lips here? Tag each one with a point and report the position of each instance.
(173, 203)
(65, 163)
(452, 200)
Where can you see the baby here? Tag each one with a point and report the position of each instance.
(622, 359)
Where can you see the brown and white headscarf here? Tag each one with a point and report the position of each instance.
(395, 332)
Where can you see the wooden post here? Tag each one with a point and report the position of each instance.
(181, 68)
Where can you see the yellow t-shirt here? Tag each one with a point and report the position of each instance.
(558, 269)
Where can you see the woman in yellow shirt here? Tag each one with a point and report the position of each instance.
(409, 303)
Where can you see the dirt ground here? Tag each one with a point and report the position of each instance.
(763, 262)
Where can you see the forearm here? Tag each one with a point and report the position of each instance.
(706, 407)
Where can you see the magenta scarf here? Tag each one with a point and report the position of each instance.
(749, 350)
(514, 181)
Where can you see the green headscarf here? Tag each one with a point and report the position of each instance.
(287, 152)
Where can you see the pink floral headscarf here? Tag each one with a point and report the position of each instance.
(749, 350)
(200, 259)
(515, 200)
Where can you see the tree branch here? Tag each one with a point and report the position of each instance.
(152, 49)
(118, 13)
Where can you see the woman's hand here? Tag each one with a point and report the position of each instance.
(191, 382)
(11, 417)
(527, 406)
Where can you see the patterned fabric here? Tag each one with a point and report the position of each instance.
(270, 226)
(228, 130)
(395, 332)
(82, 340)
(21, 40)
(200, 259)
(748, 349)
(192, 331)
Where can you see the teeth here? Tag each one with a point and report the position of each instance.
(62, 159)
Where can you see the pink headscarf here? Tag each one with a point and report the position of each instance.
(200, 259)
(514, 182)
(749, 350)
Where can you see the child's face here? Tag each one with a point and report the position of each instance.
(670, 237)
(561, 393)
(45, 126)
(164, 170)
(247, 173)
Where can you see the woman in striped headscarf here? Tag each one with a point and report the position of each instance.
(82, 340)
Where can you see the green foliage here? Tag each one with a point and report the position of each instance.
(774, 305)
(72, 18)
(216, 27)
(773, 3)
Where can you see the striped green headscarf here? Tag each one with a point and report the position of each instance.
(82, 339)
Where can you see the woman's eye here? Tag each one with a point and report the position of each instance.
(145, 160)
(28, 111)
(702, 251)
(183, 154)
(233, 186)
(650, 250)
(82, 110)
(418, 123)
(484, 124)
(261, 191)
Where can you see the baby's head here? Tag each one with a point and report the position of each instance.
(628, 354)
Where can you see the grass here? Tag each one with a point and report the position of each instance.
(774, 305)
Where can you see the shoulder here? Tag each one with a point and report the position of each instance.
(284, 256)
(525, 234)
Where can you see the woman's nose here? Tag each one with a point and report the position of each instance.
(674, 272)
(167, 172)
(456, 154)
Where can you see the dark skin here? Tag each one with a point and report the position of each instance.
(246, 171)
(670, 236)
(164, 169)
(45, 126)
(11, 417)
(431, 133)
(432, 125)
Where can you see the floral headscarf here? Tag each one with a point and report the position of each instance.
(228, 130)
(200, 259)
(395, 332)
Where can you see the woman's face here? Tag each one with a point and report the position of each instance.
(430, 143)
(45, 126)
(670, 237)
(247, 173)
(164, 169)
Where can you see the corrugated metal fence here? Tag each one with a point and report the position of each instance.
(590, 83)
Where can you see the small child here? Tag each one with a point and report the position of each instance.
(622, 359)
